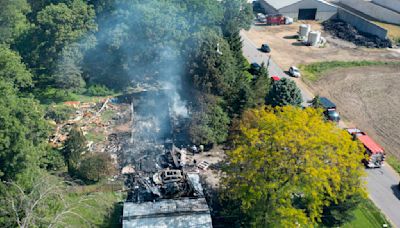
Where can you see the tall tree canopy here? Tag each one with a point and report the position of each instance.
(62, 24)
(209, 123)
(12, 69)
(212, 70)
(289, 164)
(23, 131)
(13, 21)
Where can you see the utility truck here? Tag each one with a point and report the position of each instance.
(375, 155)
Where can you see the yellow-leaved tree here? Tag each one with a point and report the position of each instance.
(288, 164)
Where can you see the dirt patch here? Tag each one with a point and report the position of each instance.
(287, 51)
(370, 98)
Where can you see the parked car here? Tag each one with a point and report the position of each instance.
(275, 78)
(265, 48)
(261, 18)
(295, 72)
(254, 68)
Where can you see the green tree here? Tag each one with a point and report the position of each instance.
(284, 92)
(12, 69)
(23, 132)
(236, 45)
(209, 123)
(95, 167)
(75, 146)
(68, 73)
(53, 160)
(60, 25)
(261, 85)
(13, 21)
(238, 15)
(289, 164)
(316, 102)
(213, 71)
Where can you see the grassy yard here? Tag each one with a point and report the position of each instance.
(394, 162)
(367, 215)
(314, 71)
(102, 209)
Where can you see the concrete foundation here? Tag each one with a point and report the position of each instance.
(362, 24)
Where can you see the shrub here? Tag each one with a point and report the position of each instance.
(99, 90)
(95, 167)
(53, 160)
(59, 113)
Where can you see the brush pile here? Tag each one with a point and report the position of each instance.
(347, 32)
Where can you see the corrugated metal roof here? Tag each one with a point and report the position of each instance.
(279, 4)
(374, 147)
(176, 213)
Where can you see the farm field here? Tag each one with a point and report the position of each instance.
(367, 98)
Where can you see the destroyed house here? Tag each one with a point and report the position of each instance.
(185, 212)
(162, 213)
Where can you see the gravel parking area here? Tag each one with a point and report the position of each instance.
(287, 51)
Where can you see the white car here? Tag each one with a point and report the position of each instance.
(295, 72)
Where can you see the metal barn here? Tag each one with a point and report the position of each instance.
(300, 9)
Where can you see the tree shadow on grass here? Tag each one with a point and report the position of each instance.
(114, 218)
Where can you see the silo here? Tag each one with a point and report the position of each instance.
(314, 38)
(304, 30)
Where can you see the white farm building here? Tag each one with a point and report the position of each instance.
(300, 9)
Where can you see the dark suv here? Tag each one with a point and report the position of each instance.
(265, 48)
(254, 68)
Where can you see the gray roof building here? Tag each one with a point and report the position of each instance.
(300, 9)
(177, 213)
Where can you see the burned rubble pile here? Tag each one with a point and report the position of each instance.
(347, 32)
(88, 117)
(153, 166)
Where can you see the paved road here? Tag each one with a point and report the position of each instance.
(252, 54)
(382, 184)
(383, 189)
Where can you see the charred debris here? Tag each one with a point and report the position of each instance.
(156, 158)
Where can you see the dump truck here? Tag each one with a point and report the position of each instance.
(375, 155)
(330, 109)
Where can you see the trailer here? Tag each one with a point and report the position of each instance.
(375, 153)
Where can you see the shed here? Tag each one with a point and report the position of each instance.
(300, 9)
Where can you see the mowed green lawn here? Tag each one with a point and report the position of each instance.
(367, 215)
